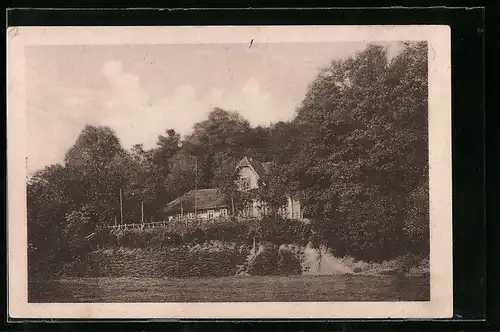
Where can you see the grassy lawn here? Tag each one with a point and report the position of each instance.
(232, 289)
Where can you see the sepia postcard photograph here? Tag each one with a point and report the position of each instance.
(229, 172)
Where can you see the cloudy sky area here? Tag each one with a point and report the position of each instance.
(142, 90)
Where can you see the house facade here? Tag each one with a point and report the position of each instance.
(207, 204)
(252, 172)
(201, 204)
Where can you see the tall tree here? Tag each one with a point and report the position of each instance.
(223, 131)
(166, 147)
(97, 157)
(225, 178)
(183, 177)
(364, 147)
(48, 200)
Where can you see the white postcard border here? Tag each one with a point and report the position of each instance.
(438, 38)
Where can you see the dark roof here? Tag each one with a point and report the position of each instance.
(205, 199)
(261, 168)
(267, 166)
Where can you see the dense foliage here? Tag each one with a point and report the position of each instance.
(245, 232)
(355, 155)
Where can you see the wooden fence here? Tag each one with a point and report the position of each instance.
(170, 223)
(146, 225)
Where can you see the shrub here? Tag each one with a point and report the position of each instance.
(265, 262)
(368, 241)
(194, 236)
(231, 231)
(79, 228)
(278, 231)
(273, 230)
(289, 262)
(165, 238)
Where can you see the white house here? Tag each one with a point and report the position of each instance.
(207, 204)
(250, 172)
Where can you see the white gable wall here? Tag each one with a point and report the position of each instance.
(248, 172)
(292, 208)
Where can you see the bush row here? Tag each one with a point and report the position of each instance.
(210, 260)
(367, 244)
(359, 243)
(276, 231)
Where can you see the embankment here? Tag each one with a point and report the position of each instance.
(224, 259)
(220, 249)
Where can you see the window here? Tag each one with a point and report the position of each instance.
(210, 214)
(245, 183)
(248, 211)
(179, 216)
(190, 215)
(223, 212)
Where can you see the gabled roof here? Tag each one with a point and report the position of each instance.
(260, 168)
(205, 199)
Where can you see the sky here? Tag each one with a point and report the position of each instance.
(140, 91)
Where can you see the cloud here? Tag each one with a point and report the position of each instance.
(126, 104)
(137, 118)
(214, 95)
(140, 96)
(126, 91)
(128, 108)
(252, 102)
(112, 69)
(55, 116)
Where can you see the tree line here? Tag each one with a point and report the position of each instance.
(355, 155)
